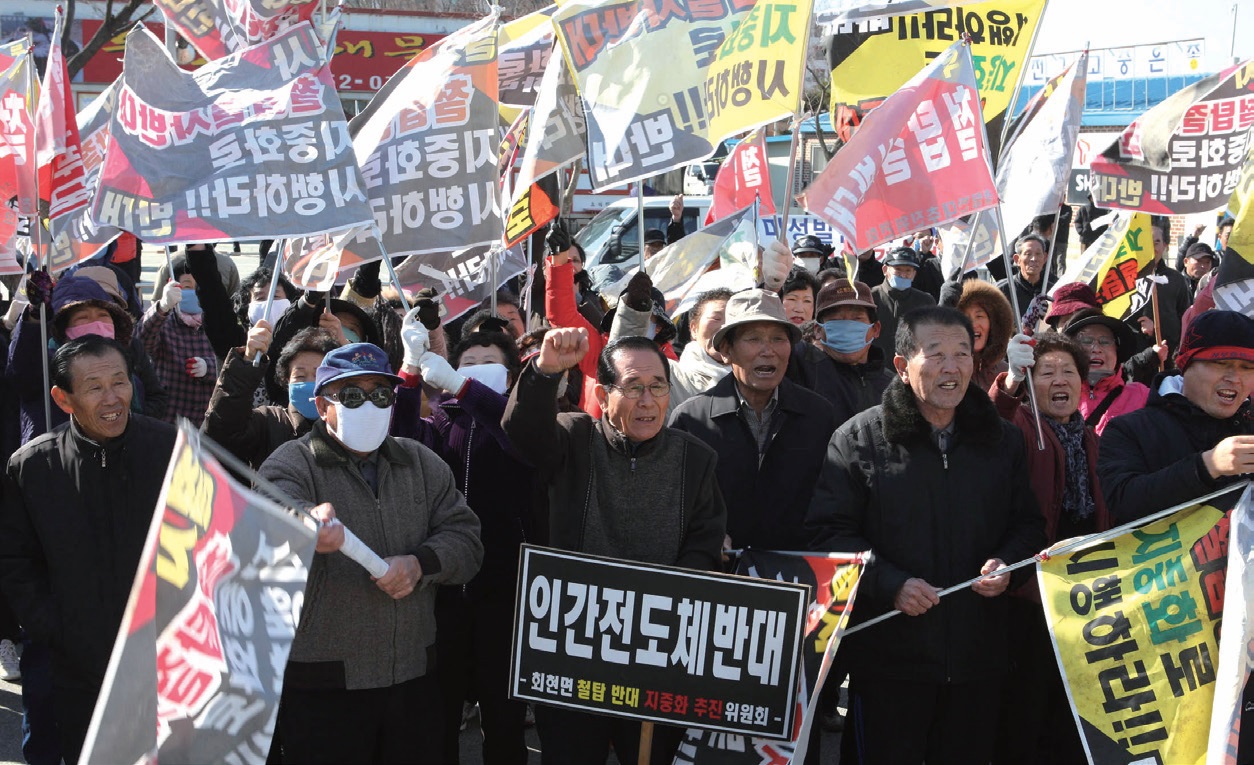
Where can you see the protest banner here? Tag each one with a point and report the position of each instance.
(462, 277)
(1116, 265)
(1234, 282)
(1036, 158)
(969, 244)
(536, 205)
(1087, 146)
(1236, 641)
(558, 115)
(872, 58)
(662, 86)
(657, 643)
(17, 128)
(254, 146)
(197, 669)
(835, 11)
(76, 237)
(1134, 621)
(427, 146)
(218, 28)
(58, 152)
(833, 583)
(918, 160)
(313, 262)
(744, 177)
(523, 49)
(1184, 155)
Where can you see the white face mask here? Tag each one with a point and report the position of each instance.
(257, 310)
(361, 429)
(494, 376)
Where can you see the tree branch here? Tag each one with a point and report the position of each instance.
(109, 28)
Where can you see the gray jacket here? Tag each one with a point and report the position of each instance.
(356, 634)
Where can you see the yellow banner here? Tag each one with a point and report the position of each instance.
(1134, 623)
(663, 83)
(1118, 284)
(879, 56)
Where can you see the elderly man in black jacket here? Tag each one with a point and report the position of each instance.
(936, 485)
(1196, 432)
(769, 433)
(78, 502)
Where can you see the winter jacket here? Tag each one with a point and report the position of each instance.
(352, 634)
(559, 307)
(891, 305)
(653, 502)
(1048, 468)
(252, 434)
(1024, 291)
(222, 325)
(766, 500)
(495, 479)
(886, 487)
(170, 343)
(1151, 459)
(695, 372)
(73, 521)
(1174, 299)
(849, 388)
(1129, 397)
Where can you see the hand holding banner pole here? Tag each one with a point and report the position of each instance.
(37, 242)
(1014, 302)
(274, 283)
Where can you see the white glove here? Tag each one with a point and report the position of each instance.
(416, 339)
(171, 295)
(197, 367)
(438, 372)
(1020, 355)
(777, 261)
(16, 308)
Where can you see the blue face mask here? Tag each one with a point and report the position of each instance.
(351, 336)
(189, 302)
(301, 395)
(846, 335)
(899, 282)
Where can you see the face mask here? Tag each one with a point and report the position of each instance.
(257, 310)
(494, 376)
(846, 335)
(351, 336)
(190, 302)
(899, 282)
(301, 396)
(102, 328)
(362, 429)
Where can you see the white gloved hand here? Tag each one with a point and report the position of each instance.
(1020, 355)
(438, 372)
(16, 308)
(416, 339)
(197, 367)
(171, 295)
(777, 261)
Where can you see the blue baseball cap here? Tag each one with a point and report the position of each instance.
(353, 360)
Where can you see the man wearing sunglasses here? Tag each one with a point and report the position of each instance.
(360, 682)
(623, 486)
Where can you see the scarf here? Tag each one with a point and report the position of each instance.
(699, 367)
(1077, 502)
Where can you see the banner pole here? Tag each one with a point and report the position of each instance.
(646, 743)
(492, 254)
(274, 284)
(396, 281)
(37, 242)
(1065, 549)
(788, 182)
(1014, 302)
(1158, 327)
(640, 218)
(1014, 95)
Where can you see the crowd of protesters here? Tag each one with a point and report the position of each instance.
(884, 410)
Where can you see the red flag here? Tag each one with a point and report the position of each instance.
(744, 176)
(17, 128)
(58, 153)
(920, 159)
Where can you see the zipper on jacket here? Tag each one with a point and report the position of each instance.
(945, 460)
(633, 467)
(104, 458)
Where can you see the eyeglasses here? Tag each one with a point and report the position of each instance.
(352, 397)
(1101, 342)
(657, 389)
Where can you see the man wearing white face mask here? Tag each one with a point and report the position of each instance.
(360, 682)
(465, 430)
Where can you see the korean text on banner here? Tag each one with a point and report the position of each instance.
(663, 86)
(218, 28)
(1134, 623)
(523, 49)
(197, 669)
(919, 160)
(657, 643)
(1235, 659)
(745, 176)
(1183, 156)
(834, 11)
(833, 582)
(17, 129)
(427, 144)
(1234, 284)
(462, 277)
(1116, 266)
(254, 146)
(870, 59)
(57, 148)
(558, 115)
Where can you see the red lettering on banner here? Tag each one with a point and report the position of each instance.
(658, 13)
(1119, 281)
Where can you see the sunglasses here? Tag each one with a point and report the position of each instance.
(352, 397)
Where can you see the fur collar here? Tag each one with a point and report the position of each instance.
(975, 419)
